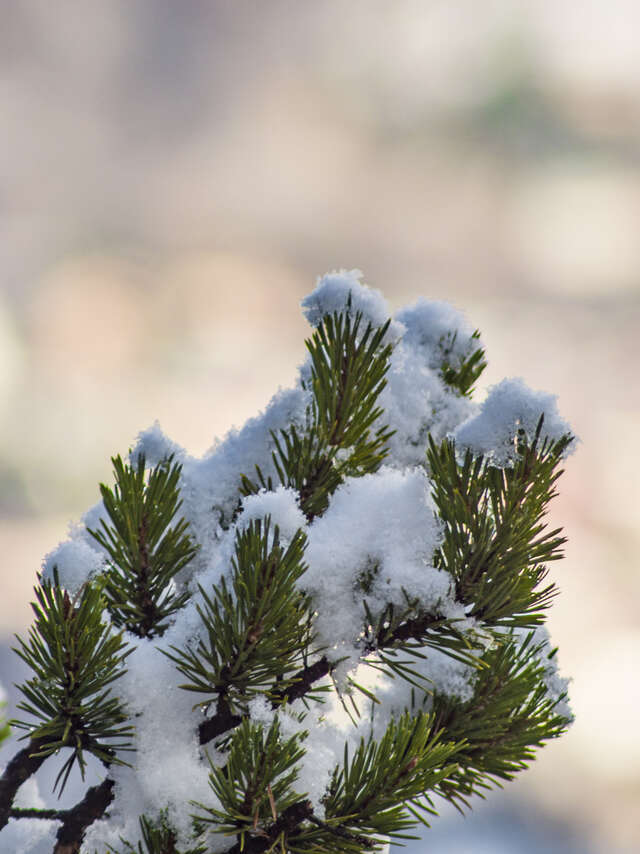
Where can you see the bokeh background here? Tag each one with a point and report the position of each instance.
(174, 176)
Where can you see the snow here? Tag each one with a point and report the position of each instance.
(343, 291)
(557, 686)
(434, 327)
(75, 562)
(383, 525)
(375, 542)
(169, 769)
(509, 407)
(282, 506)
(417, 403)
(156, 446)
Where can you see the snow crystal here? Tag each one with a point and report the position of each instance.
(282, 505)
(437, 330)
(510, 406)
(168, 769)
(76, 561)
(155, 446)
(377, 538)
(417, 403)
(333, 293)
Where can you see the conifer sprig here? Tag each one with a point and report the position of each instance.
(509, 716)
(157, 838)
(461, 373)
(147, 549)
(496, 544)
(5, 729)
(258, 626)
(256, 784)
(348, 368)
(370, 792)
(75, 659)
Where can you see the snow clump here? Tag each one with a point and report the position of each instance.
(510, 407)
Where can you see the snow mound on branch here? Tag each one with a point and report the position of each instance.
(511, 406)
(343, 290)
(281, 506)
(434, 327)
(155, 446)
(377, 537)
(557, 686)
(75, 561)
(417, 403)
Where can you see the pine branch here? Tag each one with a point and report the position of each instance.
(255, 785)
(23, 765)
(158, 837)
(301, 683)
(147, 549)
(92, 807)
(76, 820)
(348, 368)
(496, 545)
(280, 830)
(462, 372)
(258, 627)
(75, 659)
(509, 715)
(369, 791)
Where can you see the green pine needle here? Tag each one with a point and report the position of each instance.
(257, 781)
(146, 547)
(508, 717)
(158, 837)
(75, 659)
(348, 369)
(257, 624)
(5, 729)
(496, 544)
(461, 373)
(370, 790)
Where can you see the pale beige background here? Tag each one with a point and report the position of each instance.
(173, 176)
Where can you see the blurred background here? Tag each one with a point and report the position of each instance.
(174, 176)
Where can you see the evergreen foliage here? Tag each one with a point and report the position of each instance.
(5, 729)
(347, 375)
(461, 372)
(508, 716)
(447, 677)
(496, 545)
(146, 551)
(258, 629)
(157, 838)
(256, 783)
(75, 659)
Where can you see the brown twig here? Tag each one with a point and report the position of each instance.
(92, 807)
(20, 768)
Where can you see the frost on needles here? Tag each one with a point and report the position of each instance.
(303, 640)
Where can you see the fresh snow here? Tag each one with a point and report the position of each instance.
(511, 406)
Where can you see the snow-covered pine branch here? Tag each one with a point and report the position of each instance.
(301, 640)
